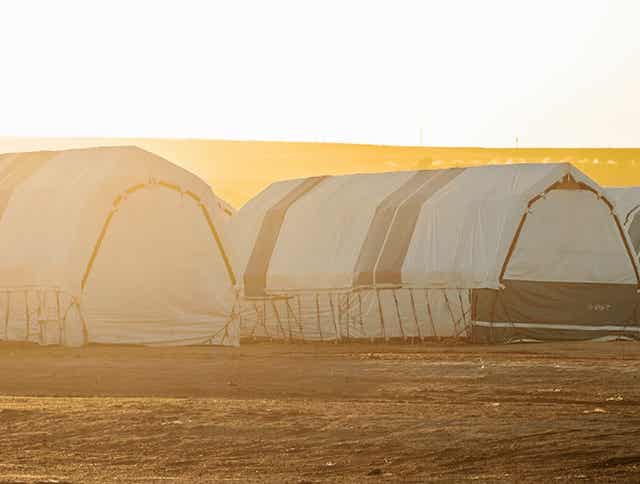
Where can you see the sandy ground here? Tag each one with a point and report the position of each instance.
(321, 413)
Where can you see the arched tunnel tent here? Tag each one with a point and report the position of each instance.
(569, 273)
(418, 254)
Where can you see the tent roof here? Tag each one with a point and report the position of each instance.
(53, 206)
(333, 227)
(626, 200)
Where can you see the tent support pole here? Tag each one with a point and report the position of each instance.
(288, 319)
(42, 295)
(226, 326)
(492, 317)
(6, 316)
(395, 302)
(64, 319)
(289, 316)
(60, 325)
(318, 316)
(26, 315)
(360, 313)
(433, 324)
(415, 315)
(279, 321)
(299, 301)
(264, 318)
(85, 328)
(347, 309)
(240, 321)
(384, 332)
(453, 319)
(252, 333)
(339, 304)
(462, 311)
(333, 316)
(293, 315)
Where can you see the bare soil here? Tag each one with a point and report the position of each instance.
(321, 413)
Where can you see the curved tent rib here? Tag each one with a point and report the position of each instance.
(129, 191)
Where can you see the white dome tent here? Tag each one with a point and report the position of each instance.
(111, 245)
(499, 253)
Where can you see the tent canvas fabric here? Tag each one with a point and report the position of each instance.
(112, 245)
(627, 201)
(498, 253)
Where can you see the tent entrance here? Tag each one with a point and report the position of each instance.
(150, 282)
(569, 274)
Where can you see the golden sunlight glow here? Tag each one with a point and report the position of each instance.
(238, 170)
(517, 75)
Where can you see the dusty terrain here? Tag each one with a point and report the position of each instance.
(321, 413)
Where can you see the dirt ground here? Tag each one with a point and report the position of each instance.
(321, 413)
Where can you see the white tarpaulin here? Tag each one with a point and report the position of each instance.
(111, 245)
(392, 248)
(627, 201)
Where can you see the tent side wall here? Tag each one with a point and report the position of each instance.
(369, 314)
(627, 202)
(333, 217)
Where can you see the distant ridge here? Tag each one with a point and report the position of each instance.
(238, 170)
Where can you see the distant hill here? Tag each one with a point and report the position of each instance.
(238, 170)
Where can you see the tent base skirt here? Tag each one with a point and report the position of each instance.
(554, 311)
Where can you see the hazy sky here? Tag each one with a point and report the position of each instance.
(553, 73)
